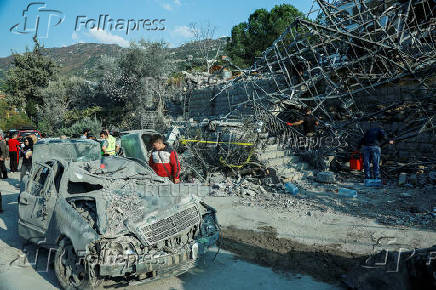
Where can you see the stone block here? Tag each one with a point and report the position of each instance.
(326, 177)
(413, 179)
(402, 178)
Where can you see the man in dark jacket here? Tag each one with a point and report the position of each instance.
(3, 156)
(371, 142)
(164, 160)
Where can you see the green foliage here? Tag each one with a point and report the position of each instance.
(135, 83)
(66, 101)
(29, 73)
(76, 114)
(125, 86)
(9, 119)
(250, 39)
(77, 128)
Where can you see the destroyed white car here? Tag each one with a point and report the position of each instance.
(110, 217)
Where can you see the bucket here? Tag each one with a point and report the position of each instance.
(356, 161)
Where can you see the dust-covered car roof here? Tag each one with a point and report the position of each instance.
(68, 150)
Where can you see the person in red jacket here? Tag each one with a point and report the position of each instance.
(14, 157)
(164, 160)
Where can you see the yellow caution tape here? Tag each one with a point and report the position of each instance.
(185, 141)
(224, 163)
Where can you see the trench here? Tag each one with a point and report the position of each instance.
(325, 263)
(264, 247)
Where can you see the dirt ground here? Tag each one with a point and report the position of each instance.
(315, 233)
(324, 263)
(320, 233)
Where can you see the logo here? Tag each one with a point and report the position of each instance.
(37, 19)
(107, 23)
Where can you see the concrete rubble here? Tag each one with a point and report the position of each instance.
(360, 62)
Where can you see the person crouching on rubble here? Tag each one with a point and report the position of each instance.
(164, 160)
(3, 156)
(309, 122)
(371, 142)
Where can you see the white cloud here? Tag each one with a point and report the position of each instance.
(167, 6)
(107, 37)
(184, 31)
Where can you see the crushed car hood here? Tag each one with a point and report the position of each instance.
(128, 196)
(121, 212)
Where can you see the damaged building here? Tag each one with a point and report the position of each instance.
(351, 62)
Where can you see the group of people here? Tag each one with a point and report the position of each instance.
(163, 159)
(10, 148)
(110, 143)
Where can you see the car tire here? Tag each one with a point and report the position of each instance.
(70, 270)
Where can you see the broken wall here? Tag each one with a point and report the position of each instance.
(349, 61)
(230, 100)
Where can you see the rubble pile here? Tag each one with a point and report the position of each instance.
(214, 146)
(388, 205)
(198, 80)
(355, 64)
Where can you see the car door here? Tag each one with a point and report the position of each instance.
(37, 202)
(134, 147)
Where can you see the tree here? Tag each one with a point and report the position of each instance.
(29, 73)
(250, 39)
(66, 101)
(137, 83)
(203, 38)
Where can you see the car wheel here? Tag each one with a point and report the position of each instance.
(69, 268)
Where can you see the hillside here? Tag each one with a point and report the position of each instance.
(80, 59)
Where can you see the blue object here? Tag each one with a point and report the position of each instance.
(371, 154)
(347, 192)
(292, 188)
(373, 182)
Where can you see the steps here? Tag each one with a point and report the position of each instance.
(287, 166)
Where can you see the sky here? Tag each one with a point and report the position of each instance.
(59, 23)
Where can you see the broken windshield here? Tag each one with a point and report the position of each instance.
(71, 150)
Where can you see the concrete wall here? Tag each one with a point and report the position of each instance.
(419, 147)
(210, 103)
